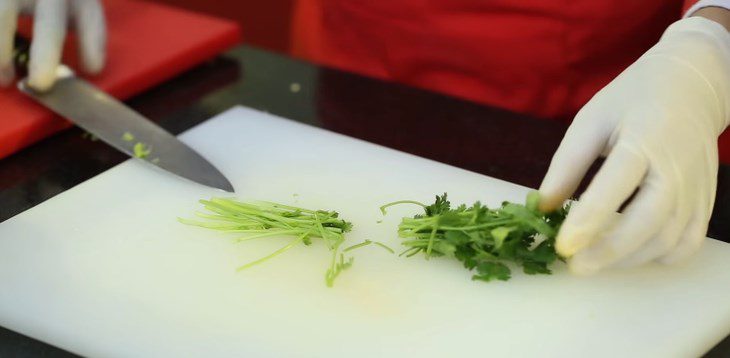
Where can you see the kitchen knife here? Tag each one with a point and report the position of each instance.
(118, 125)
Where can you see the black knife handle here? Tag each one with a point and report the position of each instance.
(21, 54)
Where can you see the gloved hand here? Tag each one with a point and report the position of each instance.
(658, 123)
(49, 31)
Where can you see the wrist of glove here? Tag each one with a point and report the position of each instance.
(49, 32)
(657, 124)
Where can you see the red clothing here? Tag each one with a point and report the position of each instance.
(541, 57)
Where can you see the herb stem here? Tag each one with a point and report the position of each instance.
(265, 219)
(353, 247)
(382, 208)
(273, 254)
(384, 246)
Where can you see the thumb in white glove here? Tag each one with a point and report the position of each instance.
(49, 32)
(658, 124)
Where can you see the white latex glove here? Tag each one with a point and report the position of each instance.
(658, 123)
(49, 32)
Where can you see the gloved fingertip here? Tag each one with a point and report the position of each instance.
(40, 83)
(583, 265)
(589, 261)
(41, 73)
(570, 240)
(549, 202)
(553, 194)
(94, 64)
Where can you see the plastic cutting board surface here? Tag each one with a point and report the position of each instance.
(104, 269)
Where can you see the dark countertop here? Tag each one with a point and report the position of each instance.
(486, 140)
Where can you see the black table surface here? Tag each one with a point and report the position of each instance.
(487, 140)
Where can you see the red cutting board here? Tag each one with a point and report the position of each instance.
(147, 44)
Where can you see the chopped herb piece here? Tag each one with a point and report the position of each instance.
(368, 242)
(141, 150)
(127, 137)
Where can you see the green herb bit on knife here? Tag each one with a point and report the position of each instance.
(256, 220)
(482, 238)
(141, 150)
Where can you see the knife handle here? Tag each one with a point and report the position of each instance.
(21, 54)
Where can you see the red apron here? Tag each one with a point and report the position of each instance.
(541, 57)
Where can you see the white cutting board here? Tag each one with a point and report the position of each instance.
(104, 269)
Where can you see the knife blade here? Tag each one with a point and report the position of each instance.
(121, 127)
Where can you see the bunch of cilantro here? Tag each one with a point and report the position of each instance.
(483, 239)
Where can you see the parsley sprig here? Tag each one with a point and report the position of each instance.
(482, 238)
(256, 220)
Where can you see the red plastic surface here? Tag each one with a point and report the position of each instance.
(147, 44)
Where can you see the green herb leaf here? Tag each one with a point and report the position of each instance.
(488, 271)
(532, 268)
(440, 206)
(482, 238)
(499, 234)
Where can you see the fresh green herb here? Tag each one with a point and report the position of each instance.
(482, 238)
(141, 150)
(264, 219)
(386, 247)
(357, 246)
(368, 242)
